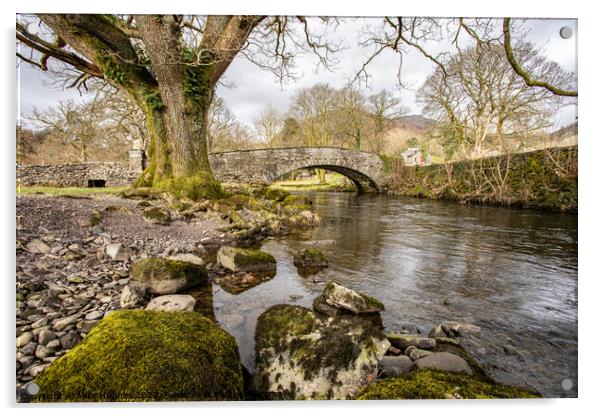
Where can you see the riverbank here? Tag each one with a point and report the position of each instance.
(75, 252)
(544, 179)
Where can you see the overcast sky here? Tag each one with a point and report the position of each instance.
(255, 88)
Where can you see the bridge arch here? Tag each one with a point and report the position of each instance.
(365, 170)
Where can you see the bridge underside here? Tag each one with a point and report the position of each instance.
(362, 182)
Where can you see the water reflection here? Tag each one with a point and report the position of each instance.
(512, 272)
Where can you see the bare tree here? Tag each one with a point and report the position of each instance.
(220, 122)
(102, 127)
(481, 100)
(268, 125)
(384, 109)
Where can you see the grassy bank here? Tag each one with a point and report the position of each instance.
(544, 179)
(56, 191)
(334, 183)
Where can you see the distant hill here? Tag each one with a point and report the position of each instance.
(414, 122)
(568, 130)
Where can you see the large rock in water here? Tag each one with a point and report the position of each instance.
(245, 260)
(309, 261)
(341, 297)
(444, 361)
(302, 355)
(166, 277)
(147, 356)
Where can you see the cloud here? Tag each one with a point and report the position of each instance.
(256, 88)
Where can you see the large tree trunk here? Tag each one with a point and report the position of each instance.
(177, 118)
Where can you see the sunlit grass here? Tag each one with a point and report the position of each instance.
(69, 191)
(334, 182)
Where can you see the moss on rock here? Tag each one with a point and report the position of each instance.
(300, 354)
(432, 384)
(296, 200)
(310, 257)
(164, 276)
(195, 188)
(276, 194)
(245, 259)
(147, 356)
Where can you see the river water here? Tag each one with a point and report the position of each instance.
(512, 272)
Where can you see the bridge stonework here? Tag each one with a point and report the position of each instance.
(366, 170)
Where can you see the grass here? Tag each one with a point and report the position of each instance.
(70, 191)
(334, 182)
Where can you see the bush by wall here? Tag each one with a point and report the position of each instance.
(544, 179)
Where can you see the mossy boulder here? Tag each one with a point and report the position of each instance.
(342, 297)
(276, 194)
(166, 277)
(147, 356)
(310, 258)
(432, 384)
(302, 220)
(302, 355)
(157, 215)
(297, 200)
(246, 260)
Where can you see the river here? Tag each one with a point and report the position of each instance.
(512, 272)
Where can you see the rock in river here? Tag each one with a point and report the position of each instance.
(170, 356)
(344, 298)
(172, 303)
(245, 260)
(403, 341)
(389, 366)
(444, 361)
(454, 329)
(302, 355)
(166, 277)
(310, 257)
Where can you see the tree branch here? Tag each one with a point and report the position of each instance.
(523, 73)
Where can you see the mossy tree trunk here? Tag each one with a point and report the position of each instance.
(171, 82)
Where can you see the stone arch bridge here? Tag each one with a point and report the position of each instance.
(365, 170)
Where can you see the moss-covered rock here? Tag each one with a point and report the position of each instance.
(303, 220)
(301, 355)
(245, 260)
(310, 258)
(432, 384)
(297, 200)
(276, 194)
(157, 215)
(147, 356)
(166, 277)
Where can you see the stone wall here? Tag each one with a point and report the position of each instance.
(366, 170)
(77, 174)
(543, 179)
